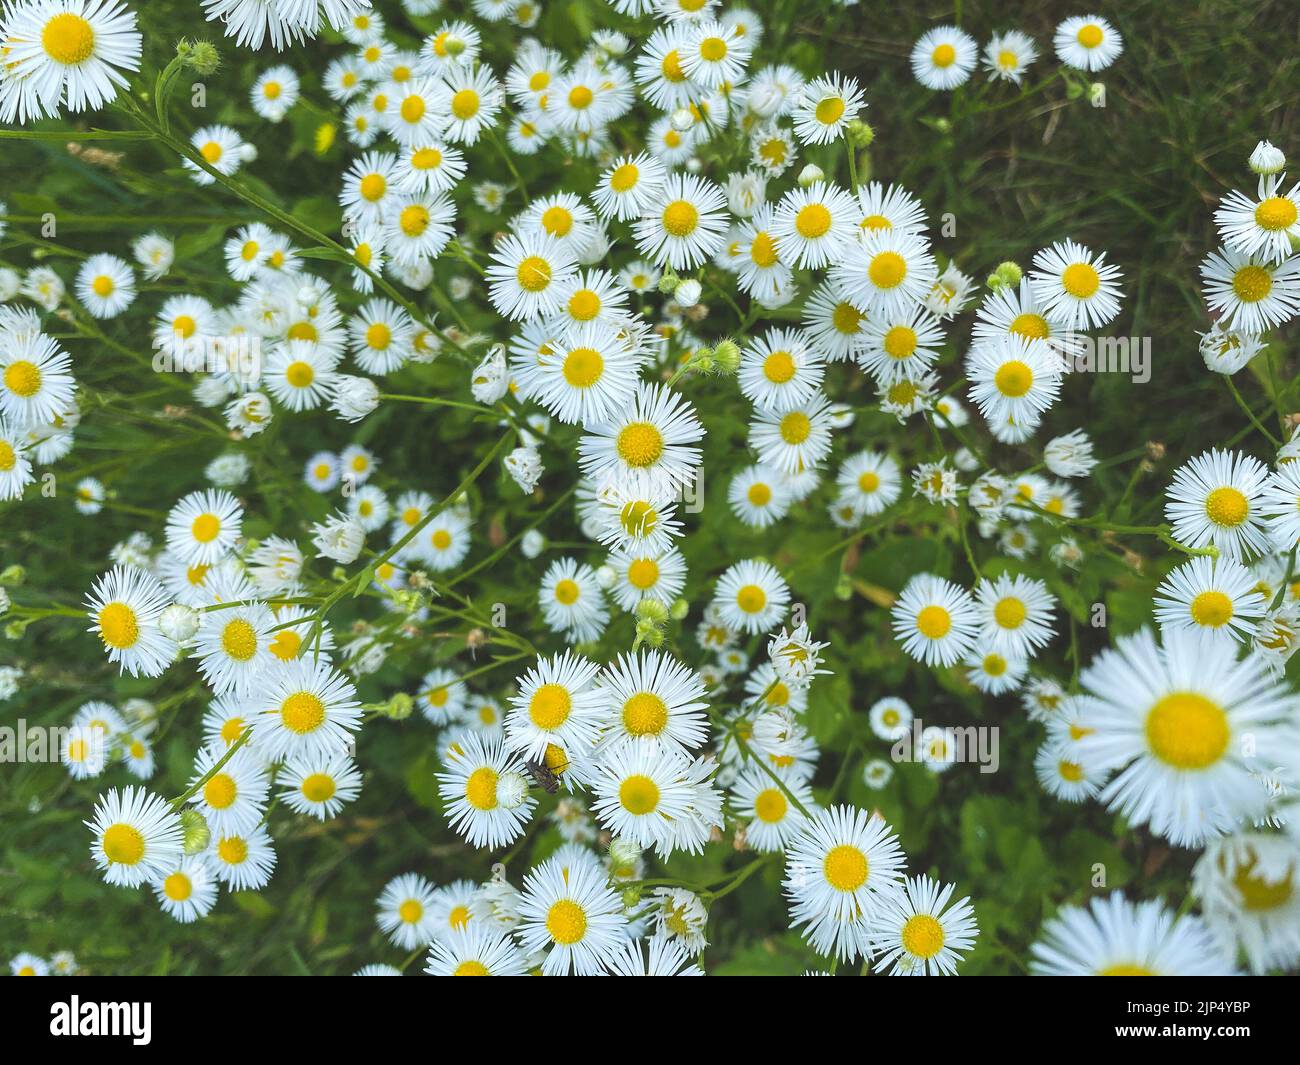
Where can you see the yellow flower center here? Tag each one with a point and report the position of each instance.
(795, 427)
(1009, 613)
(471, 968)
(410, 911)
(299, 374)
(1275, 213)
(922, 936)
(68, 39)
(319, 787)
(900, 342)
(584, 305)
(413, 109)
(751, 599)
(583, 367)
(643, 573)
(580, 97)
(302, 331)
(672, 66)
(1252, 283)
(220, 792)
(1071, 771)
(813, 221)
(426, 159)
(640, 444)
(1227, 506)
(779, 367)
(645, 714)
(566, 922)
(211, 151)
(118, 627)
(1080, 280)
(23, 378)
(944, 56)
(1090, 35)
(846, 868)
(712, 49)
(830, 110)
(239, 640)
(566, 591)
(1187, 731)
(557, 220)
(123, 844)
(887, 269)
(624, 177)
(763, 251)
(533, 274)
(933, 622)
(302, 713)
(680, 218)
(177, 887)
(1212, 609)
(1030, 326)
(549, 707)
(1013, 378)
(481, 789)
(769, 806)
(759, 494)
(464, 105)
(639, 795)
(102, 286)
(1258, 894)
(414, 220)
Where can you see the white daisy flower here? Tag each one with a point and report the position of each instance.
(475, 951)
(684, 223)
(575, 918)
(405, 911)
(653, 433)
(1014, 379)
(1215, 595)
(657, 575)
(525, 274)
(651, 696)
(203, 527)
(1268, 226)
(556, 705)
(233, 798)
(485, 793)
(900, 346)
(944, 57)
(105, 286)
(1217, 498)
(794, 441)
(886, 272)
(813, 224)
(1115, 937)
(319, 786)
(664, 958)
(758, 496)
(773, 821)
(1087, 42)
(1076, 285)
(1009, 55)
(935, 620)
(36, 383)
(1015, 614)
(572, 602)
(305, 708)
(124, 606)
(187, 890)
(921, 932)
(751, 596)
(1184, 725)
(869, 482)
(890, 718)
(1251, 293)
(826, 105)
(629, 186)
(779, 373)
(137, 836)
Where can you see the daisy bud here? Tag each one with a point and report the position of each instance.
(534, 543)
(354, 397)
(323, 139)
(647, 632)
(13, 575)
(1008, 274)
(490, 380)
(811, 175)
(178, 622)
(512, 790)
(605, 577)
(201, 56)
(623, 852)
(248, 152)
(668, 283)
(844, 588)
(195, 835)
(399, 707)
(679, 610)
(683, 119)
(860, 134)
(631, 898)
(15, 629)
(727, 356)
(688, 293)
(652, 610)
(694, 165)
(1267, 159)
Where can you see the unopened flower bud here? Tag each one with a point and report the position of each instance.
(194, 831)
(178, 622)
(859, 133)
(727, 356)
(811, 175)
(688, 292)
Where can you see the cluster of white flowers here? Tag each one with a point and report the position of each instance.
(678, 198)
